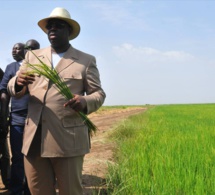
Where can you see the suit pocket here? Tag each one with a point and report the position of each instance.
(75, 134)
(74, 82)
(73, 76)
(72, 122)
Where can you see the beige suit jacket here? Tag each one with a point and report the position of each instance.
(63, 132)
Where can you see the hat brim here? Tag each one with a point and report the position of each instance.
(75, 26)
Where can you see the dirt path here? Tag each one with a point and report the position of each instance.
(95, 163)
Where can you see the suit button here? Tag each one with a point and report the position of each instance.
(45, 87)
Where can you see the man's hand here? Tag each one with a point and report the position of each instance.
(78, 103)
(24, 79)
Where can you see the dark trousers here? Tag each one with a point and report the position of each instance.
(4, 162)
(18, 183)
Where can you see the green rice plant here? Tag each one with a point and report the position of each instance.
(51, 74)
(171, 151)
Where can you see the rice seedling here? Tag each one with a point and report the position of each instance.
(51, 74)
(171, 151)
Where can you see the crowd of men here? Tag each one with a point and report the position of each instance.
(48, 138)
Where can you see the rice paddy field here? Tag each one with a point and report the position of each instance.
(169, 149)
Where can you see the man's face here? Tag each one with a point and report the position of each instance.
(18, 52)
(58, 32)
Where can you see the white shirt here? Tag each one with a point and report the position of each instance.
(56, 57)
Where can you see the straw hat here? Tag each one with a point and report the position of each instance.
(62, 14)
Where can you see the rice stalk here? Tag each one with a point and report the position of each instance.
(51, 74)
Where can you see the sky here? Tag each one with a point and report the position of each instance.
(147, 52)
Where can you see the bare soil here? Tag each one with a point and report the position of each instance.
(96, 162)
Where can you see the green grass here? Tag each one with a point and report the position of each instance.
(169, 149)
(106, 108)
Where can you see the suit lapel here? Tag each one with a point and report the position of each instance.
(68, 58)
(46, 59)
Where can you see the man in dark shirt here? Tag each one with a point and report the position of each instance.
(18, 113)
(4, 149)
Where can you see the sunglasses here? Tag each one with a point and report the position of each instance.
(58, 25)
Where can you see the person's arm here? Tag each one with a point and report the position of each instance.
(95, 94)
(4, 99)
(17, 85)
(4, 113)
(1, 74)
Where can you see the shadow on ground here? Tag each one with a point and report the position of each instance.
(96, 186)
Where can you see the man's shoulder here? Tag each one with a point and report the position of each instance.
(11, 65)
(39, 51)
(83, 54)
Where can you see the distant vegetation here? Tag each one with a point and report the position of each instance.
(169, 149)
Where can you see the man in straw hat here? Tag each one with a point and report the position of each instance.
(55, 137)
